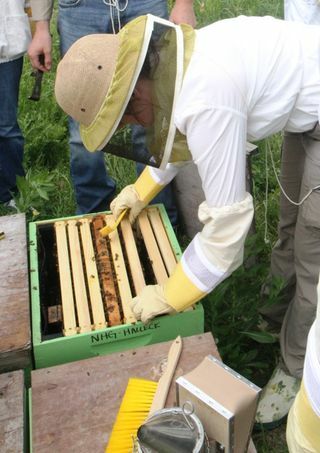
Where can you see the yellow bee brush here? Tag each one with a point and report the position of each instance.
(105, 231)
(142, 398)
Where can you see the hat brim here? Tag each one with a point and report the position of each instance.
(132, 51)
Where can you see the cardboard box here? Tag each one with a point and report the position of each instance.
(224, 401)
(54, 341)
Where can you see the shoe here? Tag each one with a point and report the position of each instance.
(11, 204)
(270, 327)
(276, 399)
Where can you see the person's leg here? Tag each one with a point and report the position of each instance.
(157, 8)
(94, 188)
(137, 8)
(282, 257)
(278, 395)
(11, 139)
(302, 309)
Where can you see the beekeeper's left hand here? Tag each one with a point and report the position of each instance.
(150, 302)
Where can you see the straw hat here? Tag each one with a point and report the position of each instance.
(84, 76)
(96, 78)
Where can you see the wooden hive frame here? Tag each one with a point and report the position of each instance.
(99, 276)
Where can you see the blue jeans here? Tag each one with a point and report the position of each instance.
(11, 139)
(94, 188)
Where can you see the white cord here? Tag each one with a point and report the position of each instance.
(266, 240)
(296, 203)
(115, 4)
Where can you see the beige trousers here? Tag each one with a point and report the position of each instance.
(296, 255)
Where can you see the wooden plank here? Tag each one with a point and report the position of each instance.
(79, 285)
(15, 331)
(58, 415)
(133, 256)
(121, 273)
(105, 271)
(162, 239)
(92, 276)
(69, 317)
(152, 248)
(12, 415)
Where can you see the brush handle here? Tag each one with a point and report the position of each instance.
(105, 231)
(164, 383)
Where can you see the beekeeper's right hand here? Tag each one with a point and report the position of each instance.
(128, 198)
(136, 196)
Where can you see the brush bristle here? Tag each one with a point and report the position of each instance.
(134, 409)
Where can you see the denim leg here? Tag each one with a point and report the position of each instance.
(140, 7)
(94, 188)
(11, 139)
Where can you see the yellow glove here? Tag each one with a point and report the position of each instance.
(180, 292)
(177, 294)
(150, 303)
(135, 197)
(128, 198)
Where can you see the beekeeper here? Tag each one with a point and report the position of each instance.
(201, 95)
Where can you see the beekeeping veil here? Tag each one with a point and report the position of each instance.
(97, 76)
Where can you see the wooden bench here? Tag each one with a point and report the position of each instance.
(75, 405)
(15, 332)
(12, 412)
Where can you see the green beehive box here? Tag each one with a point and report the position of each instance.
(59, 337)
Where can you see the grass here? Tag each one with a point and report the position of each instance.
(231, 311)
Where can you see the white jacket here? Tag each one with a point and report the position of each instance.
(248, 78)
(15, 33)
(306, 11)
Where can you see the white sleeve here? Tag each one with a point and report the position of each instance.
(163, 177)
(217, 141)
(217, 250)
(304, 11)
(41, 9)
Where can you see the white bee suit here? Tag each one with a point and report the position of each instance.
(230, 96)
(306, 11)
(243, 79)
